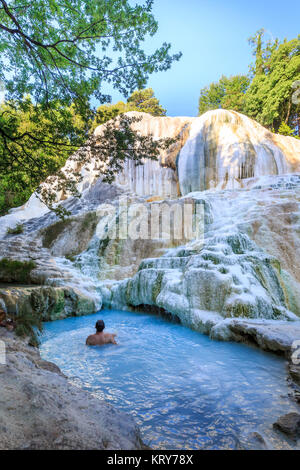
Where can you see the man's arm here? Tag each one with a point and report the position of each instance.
(112, 340)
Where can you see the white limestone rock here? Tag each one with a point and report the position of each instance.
(225, 148)
(249, 264)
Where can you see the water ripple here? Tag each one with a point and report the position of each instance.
(184, 390)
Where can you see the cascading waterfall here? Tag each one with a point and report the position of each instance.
(249, 266)
(230, 276)
(224, 148)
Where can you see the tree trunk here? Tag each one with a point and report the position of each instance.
(288, 113)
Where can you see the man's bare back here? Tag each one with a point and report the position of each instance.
(100, 338)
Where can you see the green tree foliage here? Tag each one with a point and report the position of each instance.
(106, 112)
(284, 129)
(210, 98)
(145, 101)
(227, 93)
(271, 94)
(62, 54)
(269, 97)
(256, 42)
(140, 100)
(26, 162)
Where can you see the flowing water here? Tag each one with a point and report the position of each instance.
(184, 390)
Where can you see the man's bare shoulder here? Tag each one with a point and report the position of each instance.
(110, 337)
(99, 340)
(91, 340)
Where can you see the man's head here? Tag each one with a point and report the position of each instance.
(100, 326)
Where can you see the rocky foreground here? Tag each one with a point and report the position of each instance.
(40, 409)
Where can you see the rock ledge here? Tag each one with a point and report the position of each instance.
(40, 409)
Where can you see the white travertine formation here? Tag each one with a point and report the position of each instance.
(154, 178)
(249, 266)
(218, 150)
(226, 148)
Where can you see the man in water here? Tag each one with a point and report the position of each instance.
(100, 338)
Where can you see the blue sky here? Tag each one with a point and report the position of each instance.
(212, 35)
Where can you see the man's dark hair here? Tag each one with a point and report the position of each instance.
(100, 326)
